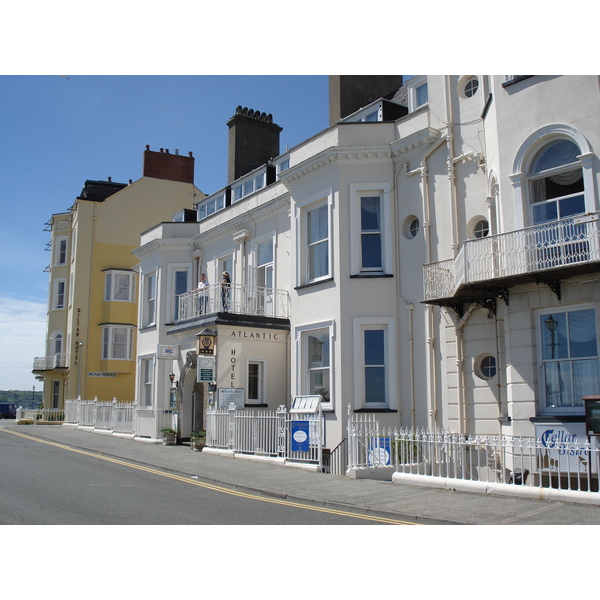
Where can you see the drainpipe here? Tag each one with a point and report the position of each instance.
(502, 407)
(410, 308)
(451, 168)
(460, 359)
(430, 324)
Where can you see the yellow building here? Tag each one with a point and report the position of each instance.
(93, 297)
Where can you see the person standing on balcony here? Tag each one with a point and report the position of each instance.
(225, 290)
(202, 294)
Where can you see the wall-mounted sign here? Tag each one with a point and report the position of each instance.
(563, 448)
(165, 351)
(96, 374)
(206, 344)
(228, 396)
(205, 371)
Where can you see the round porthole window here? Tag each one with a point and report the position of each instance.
(481, 229)
(486, 366)
(471, 87)
(411, 227)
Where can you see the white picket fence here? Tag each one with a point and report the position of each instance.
(40, 415)
(512, 461)
(118, 417)
(296, 437)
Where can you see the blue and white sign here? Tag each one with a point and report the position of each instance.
(564, 448)
(300, 436)
(380, 451)
(168, 352)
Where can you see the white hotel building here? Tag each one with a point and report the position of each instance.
(433, 256)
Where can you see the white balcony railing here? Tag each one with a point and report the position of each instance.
(539, 248)
(48, 363)
(235, 298)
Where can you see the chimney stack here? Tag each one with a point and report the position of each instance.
(253, 141)
(173, 167)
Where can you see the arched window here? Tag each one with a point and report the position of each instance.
(556, 182)
(553, 176)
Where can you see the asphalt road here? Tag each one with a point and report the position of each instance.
(47, 483)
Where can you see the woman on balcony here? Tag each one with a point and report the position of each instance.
(225, 291)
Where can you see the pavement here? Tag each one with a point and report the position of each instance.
(419, 505)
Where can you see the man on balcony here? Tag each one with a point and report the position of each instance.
(202, 294)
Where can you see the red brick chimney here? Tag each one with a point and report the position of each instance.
(163, 165)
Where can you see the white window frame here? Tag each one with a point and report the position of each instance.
(173, 298)
(262, 388)
(357, 192)
(147, 380)
(412, 86)
(302, 360)
(110, 287)
(525, 155)
(61, 251)
(561, 410)
(256, 266)
(55, 393)
(360, 325)
(303, 275)
(108, 341)
(147, 320)
(59, 295)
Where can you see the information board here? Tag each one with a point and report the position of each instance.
(228, 396)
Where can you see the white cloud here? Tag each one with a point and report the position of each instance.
(22, 337)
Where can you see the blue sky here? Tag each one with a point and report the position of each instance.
(57, 131)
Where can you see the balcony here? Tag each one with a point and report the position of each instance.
(485, 268)
(235, 299)
(49, 363)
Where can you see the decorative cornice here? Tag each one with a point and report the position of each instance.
(332, 155)
(414, 142)
(154, 245)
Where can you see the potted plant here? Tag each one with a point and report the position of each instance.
(169, 436)
(198, 439)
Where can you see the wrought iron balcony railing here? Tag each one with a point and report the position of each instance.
(49, 363)
(534, 250)
(236, 299)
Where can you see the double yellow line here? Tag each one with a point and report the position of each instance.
(210, 486)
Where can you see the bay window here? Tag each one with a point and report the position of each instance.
(119, 286)
(117, 342)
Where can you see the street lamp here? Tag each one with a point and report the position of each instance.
(552, 324)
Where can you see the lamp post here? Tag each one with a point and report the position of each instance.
(552, 324)
(173, 401)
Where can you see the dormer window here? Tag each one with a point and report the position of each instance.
(418, 94)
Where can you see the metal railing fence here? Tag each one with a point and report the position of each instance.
(110, 415)
(524, 461)
(40, 415)
(266, 433)
(575, 240)
(235, 298)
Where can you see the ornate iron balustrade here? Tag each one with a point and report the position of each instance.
(568, 242)
(234, 298)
